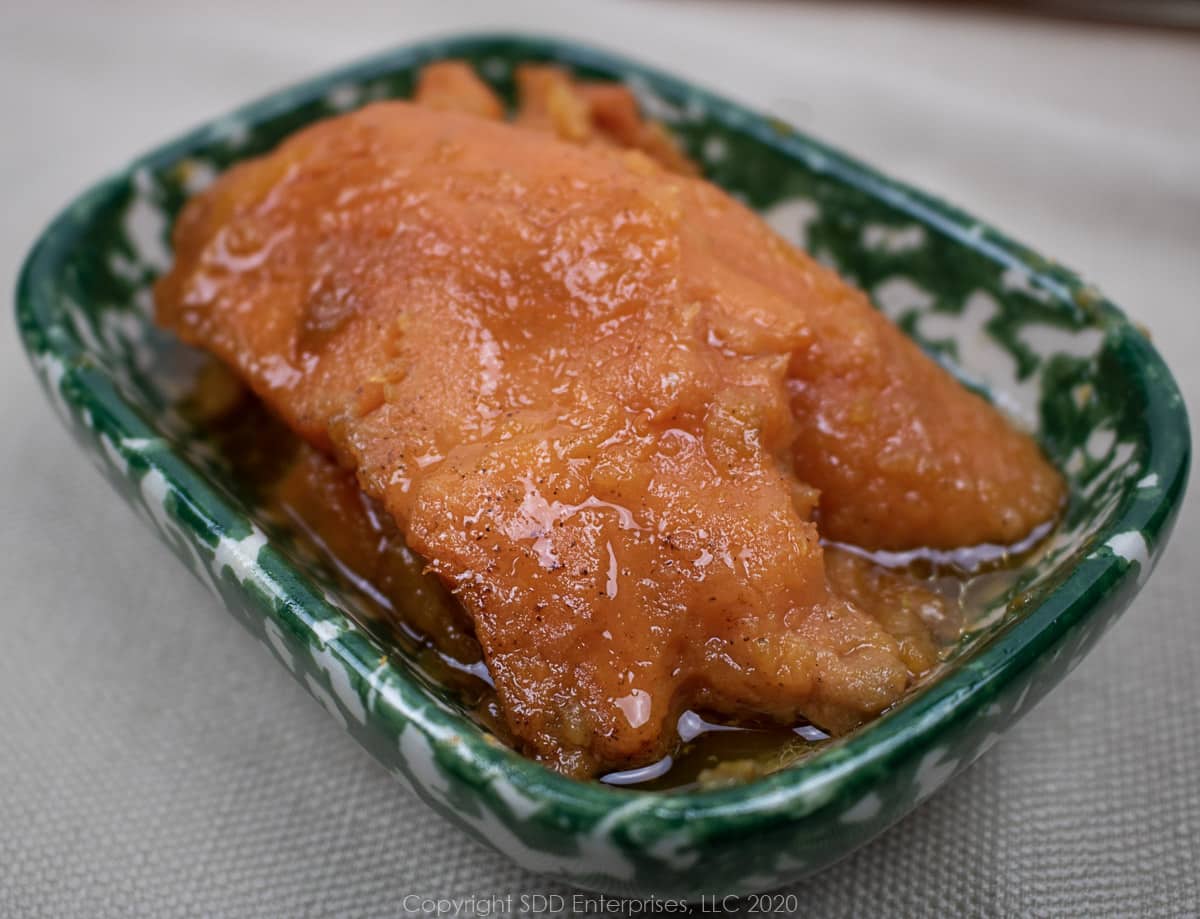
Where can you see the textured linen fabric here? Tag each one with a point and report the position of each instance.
(156, 762)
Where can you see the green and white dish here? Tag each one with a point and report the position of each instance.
(1018, 327)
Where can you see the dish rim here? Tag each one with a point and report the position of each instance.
(912, 726)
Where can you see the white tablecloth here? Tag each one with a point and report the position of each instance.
(135, 779)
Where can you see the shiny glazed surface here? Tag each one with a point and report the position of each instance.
(607, 405)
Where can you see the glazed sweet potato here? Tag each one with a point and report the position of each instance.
(612, 410)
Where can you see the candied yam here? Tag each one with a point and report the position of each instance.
(607, 407)
(452, 86)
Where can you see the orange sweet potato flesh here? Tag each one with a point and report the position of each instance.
(610, 408)
(452, 86)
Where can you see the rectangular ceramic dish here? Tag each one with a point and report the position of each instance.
(1016, 326)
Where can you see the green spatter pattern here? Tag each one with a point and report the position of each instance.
(1011, 324)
